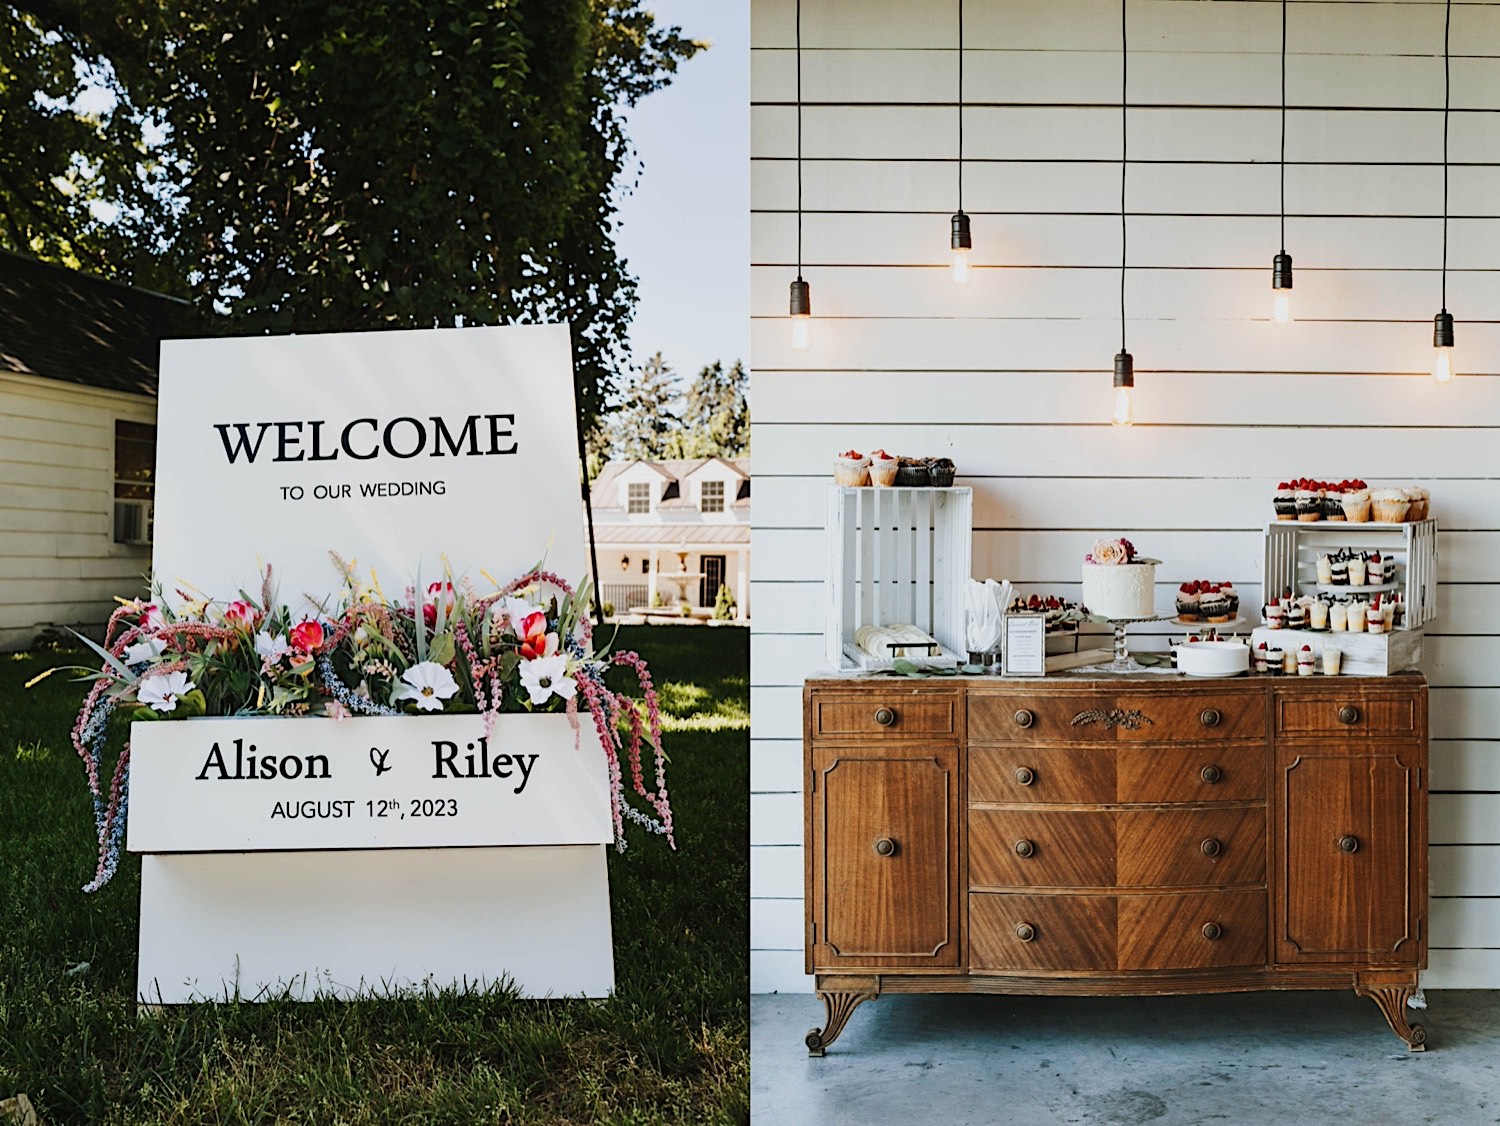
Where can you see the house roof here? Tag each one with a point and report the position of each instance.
(606, 487)
(70, 326)
(681, 534)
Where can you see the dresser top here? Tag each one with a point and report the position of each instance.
(847, 679)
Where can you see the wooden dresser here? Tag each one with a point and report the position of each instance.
(1115, 835)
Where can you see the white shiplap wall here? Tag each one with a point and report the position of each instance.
(1010, 376)
(59, 563)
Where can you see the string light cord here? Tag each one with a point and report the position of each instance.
(799, 139)
(1283, 126)
(960, 105)
(1124, 156)
(1447, 94)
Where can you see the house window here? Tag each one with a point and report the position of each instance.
(637, 498)
(711, 496)
(645, 566)
(135, 481)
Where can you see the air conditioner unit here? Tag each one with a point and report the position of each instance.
(133, 522)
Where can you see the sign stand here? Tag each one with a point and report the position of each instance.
(434, 865)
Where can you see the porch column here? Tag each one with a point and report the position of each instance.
(741, 583)
(651, 582)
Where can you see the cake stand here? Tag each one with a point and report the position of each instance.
(1123, 661)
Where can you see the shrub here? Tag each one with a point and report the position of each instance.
(724, 605)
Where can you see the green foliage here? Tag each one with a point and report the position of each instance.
(716, 415)
(326, 166)
(724, 604)
(609, 609)
(684, 610)
(657, 601)
(671, 1046)
(646, 417)
(653, 419)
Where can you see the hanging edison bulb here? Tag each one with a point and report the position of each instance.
(1442, 346)
(801, 315)
(1124, 412)
(1281, 288)
(963, 242)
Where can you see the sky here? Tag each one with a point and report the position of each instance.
(685, 231)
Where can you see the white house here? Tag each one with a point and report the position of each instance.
(78, 362)
(1010, 375)
(670, 533)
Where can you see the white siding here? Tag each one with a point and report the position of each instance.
(59, 564)
(1010, 376)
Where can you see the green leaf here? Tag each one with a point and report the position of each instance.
(903, 666)
(441, 649)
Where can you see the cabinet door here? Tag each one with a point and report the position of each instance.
(1352, 841)
(883, 857)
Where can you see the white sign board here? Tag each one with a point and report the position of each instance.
(243, 784)
(396, 450)
(392, 448)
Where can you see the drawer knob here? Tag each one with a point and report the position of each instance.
(1025, 932)
(1212, 931)
(1210, 717)
(885, 716)
(885, 847)
(1212, 847)
(1025, 848)
(1212, 775)
(1024, 718)
(1348, 715)
(1025, 775)
(1349, 843)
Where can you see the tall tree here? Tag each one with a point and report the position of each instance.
(644, 423)
(322, 165)
(716, 414)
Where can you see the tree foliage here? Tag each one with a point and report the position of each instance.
(654, 419)
(646, 418)
(716, 414)
(317, 165)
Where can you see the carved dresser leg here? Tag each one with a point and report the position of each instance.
(840, 1006)
(1392, 996)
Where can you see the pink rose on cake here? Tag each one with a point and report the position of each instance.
(1109, 553)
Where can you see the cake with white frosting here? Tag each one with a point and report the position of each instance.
(1118, 583)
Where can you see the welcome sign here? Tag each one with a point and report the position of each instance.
(398, 449)
(311, 857)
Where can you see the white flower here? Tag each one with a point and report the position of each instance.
(162, 691)
(428, 683)
(513, 609)
(546, 677)
(270, 648)
(335, 710)
(147, 651)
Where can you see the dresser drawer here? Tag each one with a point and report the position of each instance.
(1184, 847)
(1193, 773)
(1351, 714)
(1191, 715)
(1041, 848)
(1196, 930)
(896, 713)
(1083, 775)
(1041, 932)
(1035, 717)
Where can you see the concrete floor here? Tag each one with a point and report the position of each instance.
(1293, 1059)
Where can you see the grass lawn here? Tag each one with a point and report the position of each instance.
(672, 1045)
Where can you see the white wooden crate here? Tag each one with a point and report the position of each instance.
(1292, 551)
(897, 556)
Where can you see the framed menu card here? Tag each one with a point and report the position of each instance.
(1025, 650)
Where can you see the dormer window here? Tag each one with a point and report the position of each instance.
(637, 497)
(711, 496)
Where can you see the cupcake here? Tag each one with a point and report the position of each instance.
(1213, 605)
(851, 468)
(1305, 661)
(1333, 501)
(1188, 602)
(1355, 502)
(912, 472)
(1228, 591)
(1421, 507)
(1309, 503)
(1390, 505)
(883, 468)
(1285, 502)
(940, 471)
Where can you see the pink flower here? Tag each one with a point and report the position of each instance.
(241, 613)
(306, 636)
(151, 616)
(1111, 552)
(434, 590)
(536, 642)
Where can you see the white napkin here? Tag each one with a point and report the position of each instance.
(985, 603)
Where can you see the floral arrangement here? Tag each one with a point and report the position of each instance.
(526, 646)
(1109, 553)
